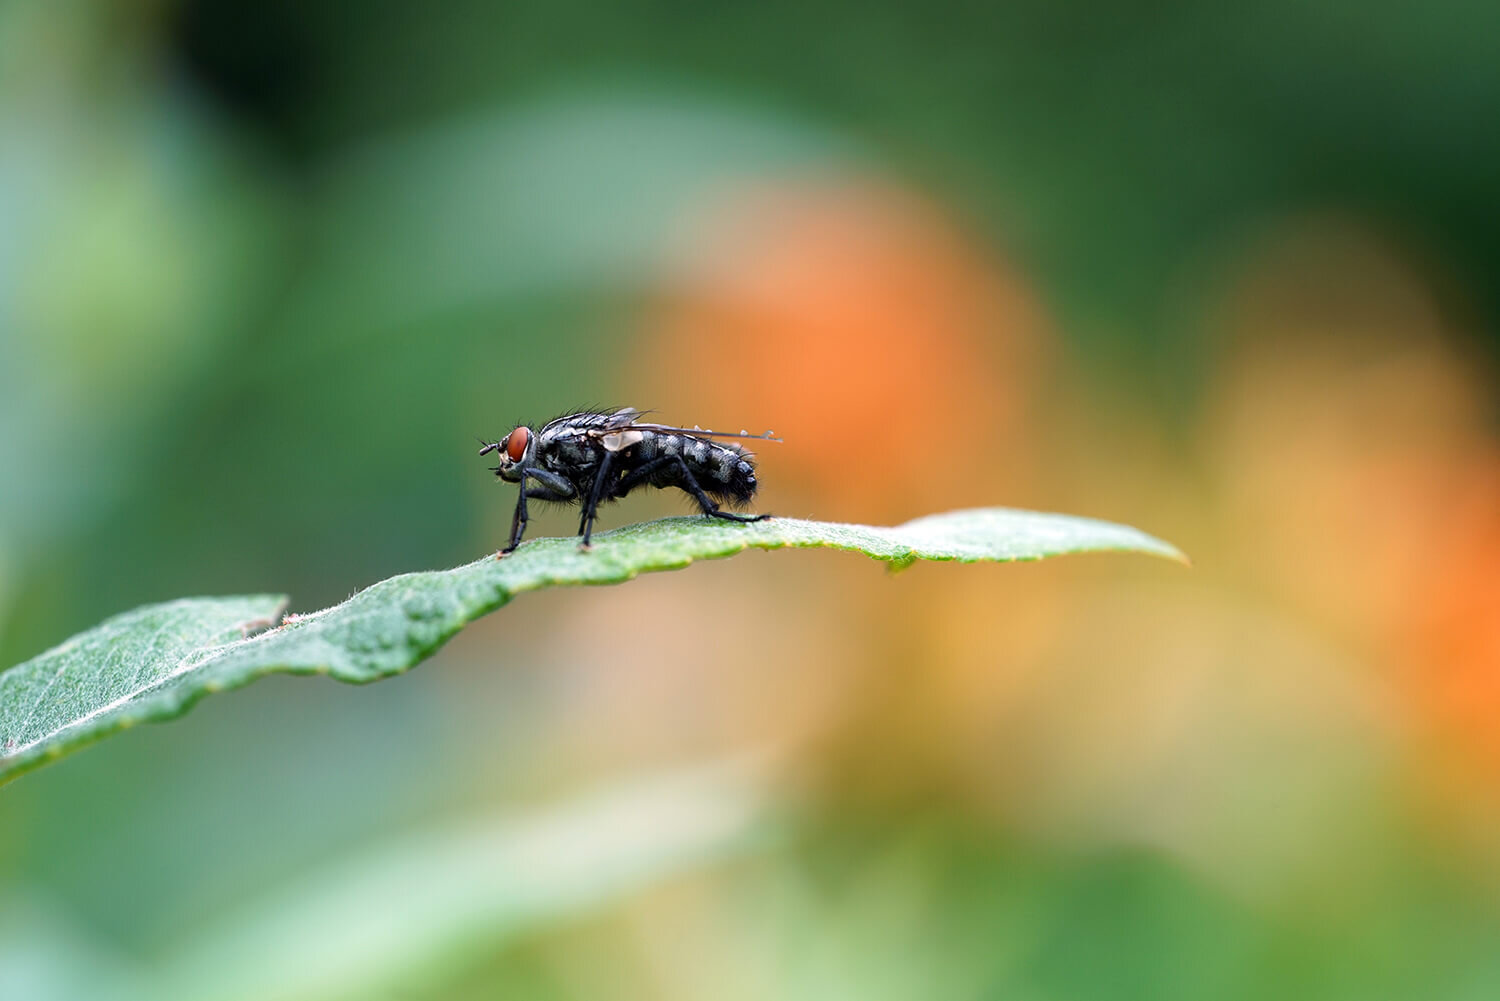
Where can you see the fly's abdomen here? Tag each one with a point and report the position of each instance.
(725, 471)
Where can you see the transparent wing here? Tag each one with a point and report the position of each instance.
(624, 418)
(698, 432)
(629, 419)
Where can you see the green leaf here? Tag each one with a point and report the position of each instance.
(155, 662)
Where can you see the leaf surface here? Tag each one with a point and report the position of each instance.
(154, 662)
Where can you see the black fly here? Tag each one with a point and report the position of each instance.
(591, 458)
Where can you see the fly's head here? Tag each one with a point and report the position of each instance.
(515, 447)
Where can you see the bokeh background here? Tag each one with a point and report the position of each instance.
(1227, 273)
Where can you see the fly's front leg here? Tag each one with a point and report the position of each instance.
(591, 507)
(553, 487)
(517, 520)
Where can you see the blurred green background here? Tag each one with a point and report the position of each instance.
(1226, 273)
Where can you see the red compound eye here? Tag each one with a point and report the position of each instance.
(515, 443)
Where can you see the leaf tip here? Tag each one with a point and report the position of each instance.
(1168, 551)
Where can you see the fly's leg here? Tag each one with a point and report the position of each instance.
(743, 519)
(591, 508)
(688, 482)
(644, 472)
(517, 520)
(553, 487)
(557, 486)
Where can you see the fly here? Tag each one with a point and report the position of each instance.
(591, 458)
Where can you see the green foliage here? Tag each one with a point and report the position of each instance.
(464, 888)
(155, 662)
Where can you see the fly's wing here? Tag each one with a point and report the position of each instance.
(617, 431)
(624, 418)
(593, 424)
(624, 428)
(698, 432)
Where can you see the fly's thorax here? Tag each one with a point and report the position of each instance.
(573, 452)
(572, 456)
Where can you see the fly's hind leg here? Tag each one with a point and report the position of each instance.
(689, 483)
(743, 519)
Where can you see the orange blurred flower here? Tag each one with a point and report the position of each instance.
(1365, 485)
(894, 356)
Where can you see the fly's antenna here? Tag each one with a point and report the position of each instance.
(489, 446)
